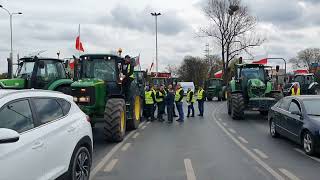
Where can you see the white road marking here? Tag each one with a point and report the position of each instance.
(189, 170)
(225, 124)
(107, 157)
(111, 165)
(302, 152)
(143, 127)
(126, 147)
(135, 135)
(232, 130)
(261, 154)
(251, 154)
(289, 174)
(243, 140)
(148, 122)
(220, 119)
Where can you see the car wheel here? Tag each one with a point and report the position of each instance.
(80, 164)
(308, 143)
(273, 130)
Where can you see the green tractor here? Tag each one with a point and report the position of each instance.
(39, 73)
(251, 89)
(307, 83)
(98, 92)
(214, 88)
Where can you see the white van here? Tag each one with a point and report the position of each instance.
(186, 85)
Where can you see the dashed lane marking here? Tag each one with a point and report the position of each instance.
(108, 156)
(189, 170)
(220, 119)
(232, 130)
(243, 140)
(111, 165)
(135, 135)
(289, 174)
(225, 124)
(302, 152)
(261, 154)
(126, 147)
(148, 122)
(143, 127)
(251, 154)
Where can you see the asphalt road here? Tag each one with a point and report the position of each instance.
(214, 147)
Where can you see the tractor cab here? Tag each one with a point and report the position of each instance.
(214, 87)
(39, 73)
(307, 83)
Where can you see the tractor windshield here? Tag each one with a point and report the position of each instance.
(303, 79)
(253, 73)
(99, 69)
(213, 83)
(25, 70)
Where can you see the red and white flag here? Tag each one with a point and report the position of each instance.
(218, 74)
(79, 45)
(261, 61)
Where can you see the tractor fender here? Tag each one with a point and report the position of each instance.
(312, 85)
(59, 82)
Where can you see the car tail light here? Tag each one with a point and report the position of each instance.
(88, 119)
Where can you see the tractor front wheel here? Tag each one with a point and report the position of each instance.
(115, 118)
(237, 106)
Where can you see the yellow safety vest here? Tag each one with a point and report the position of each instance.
(128, 71)
(148, 97)
(200, 94)
(293, 94)
(178, 96)
(188, 97)
(160, 99)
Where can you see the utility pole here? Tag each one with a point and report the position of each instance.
(155, 14)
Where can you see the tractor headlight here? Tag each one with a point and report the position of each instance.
(75, 99)
(85, 99)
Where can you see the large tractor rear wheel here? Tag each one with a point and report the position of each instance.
(115, 118)
(237, 106)
(136, 114)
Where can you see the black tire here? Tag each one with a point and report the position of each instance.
(65, 89)
(219, 98)
(209, 98)
(277, 95)
(229, 107)
(237, 106)
(264, 113)
(273, 129)
(85, 163)
(133, 123)
(114, 113)
(317, 91)
(308, 144)
(224, 96)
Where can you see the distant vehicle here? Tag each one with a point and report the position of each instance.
(307, 83)
(214, 88)
(186, 85)
(43, 135)
(297, 118)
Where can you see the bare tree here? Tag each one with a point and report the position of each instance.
(173, 69)
(306, 57)
(233, 30)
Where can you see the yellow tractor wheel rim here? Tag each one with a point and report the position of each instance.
(122, 121)
(137, 108)
(226, 95)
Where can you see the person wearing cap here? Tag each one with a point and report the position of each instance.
(128, 76)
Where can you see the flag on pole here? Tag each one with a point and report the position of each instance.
(79, 45)
(218, 74)
(261, 61)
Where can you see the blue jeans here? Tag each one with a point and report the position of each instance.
(201, 107)
(180, 110)
(190, 109)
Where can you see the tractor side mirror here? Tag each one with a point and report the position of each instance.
(41, 64)
(277, 68)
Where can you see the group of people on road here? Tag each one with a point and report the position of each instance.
(169, 98)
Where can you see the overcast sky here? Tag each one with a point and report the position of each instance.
(288, 25)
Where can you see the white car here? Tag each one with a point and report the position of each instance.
(43, 135)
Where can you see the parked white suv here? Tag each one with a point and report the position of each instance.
(43, 135)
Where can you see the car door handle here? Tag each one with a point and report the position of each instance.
(37, 145)
(71, 129)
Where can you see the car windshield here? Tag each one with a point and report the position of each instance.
(25, 70)
(253, 73)
(213, 83)
(312, 106)
(99, 69)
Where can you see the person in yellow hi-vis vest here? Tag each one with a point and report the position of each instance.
(190, 101)
(201, 99)
(128, 76)
(295, 91)
(179, 102)
(160, 95)
(150, 100)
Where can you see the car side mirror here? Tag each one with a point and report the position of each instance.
(8, 136)
(298, 113)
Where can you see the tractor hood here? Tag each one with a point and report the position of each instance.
(87, 83)
(256, 88)
(12, 83)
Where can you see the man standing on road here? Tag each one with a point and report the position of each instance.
(149, 102)
(179, 102)
(160, 102)
(190, 101)
(201, 99)
(170, 103)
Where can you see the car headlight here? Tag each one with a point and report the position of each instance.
(85, 99)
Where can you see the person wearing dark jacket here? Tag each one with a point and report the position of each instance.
(170, 103)
(160, 95)
(127, 75)
(201, 99)
(179, 102)
(150, 100)
(190, 101)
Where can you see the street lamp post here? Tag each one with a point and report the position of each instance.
(10, 62)
(156, 18)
